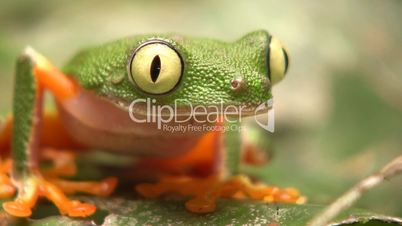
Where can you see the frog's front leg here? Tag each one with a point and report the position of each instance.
(34, 74)
(227, 183)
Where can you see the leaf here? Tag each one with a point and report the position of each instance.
(135, 211)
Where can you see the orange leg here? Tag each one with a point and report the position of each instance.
(52, 188)
(63, 162)
(35, 187)
(35, 74)
(28, 194)
(205, 191)
(103, 188)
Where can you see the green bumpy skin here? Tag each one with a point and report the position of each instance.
(209, 72)
(23, 109)
(209, 67)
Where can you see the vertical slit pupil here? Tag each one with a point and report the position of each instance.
(155, 68)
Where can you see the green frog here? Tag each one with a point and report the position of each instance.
(123, 97)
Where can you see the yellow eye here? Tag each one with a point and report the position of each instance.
(156, 67)
(278, 61)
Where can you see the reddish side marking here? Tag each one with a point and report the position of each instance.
(202, 160)
(5, 136)
(54, 135)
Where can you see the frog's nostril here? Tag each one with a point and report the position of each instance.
(237, 84)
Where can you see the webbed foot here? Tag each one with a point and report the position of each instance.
(205, 191)
(48, 184)
(34, 186)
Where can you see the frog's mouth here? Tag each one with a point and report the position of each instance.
(147, 109)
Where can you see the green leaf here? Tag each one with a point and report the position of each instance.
(136, 211)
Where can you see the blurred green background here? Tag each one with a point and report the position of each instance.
(339, 111)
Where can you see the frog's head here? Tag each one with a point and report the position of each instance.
(174, 69)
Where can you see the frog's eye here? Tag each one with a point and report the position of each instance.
(156, 67)
(277, 60)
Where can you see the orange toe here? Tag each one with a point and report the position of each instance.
(205, 191)
(79, 209)
(17, 208)
(48, 185)
(288, 195)
(201, 205)
(107, 186)
(103, 188)
(36, 186)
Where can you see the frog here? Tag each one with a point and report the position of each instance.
(102, 101)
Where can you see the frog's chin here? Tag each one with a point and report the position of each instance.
(150, 110)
